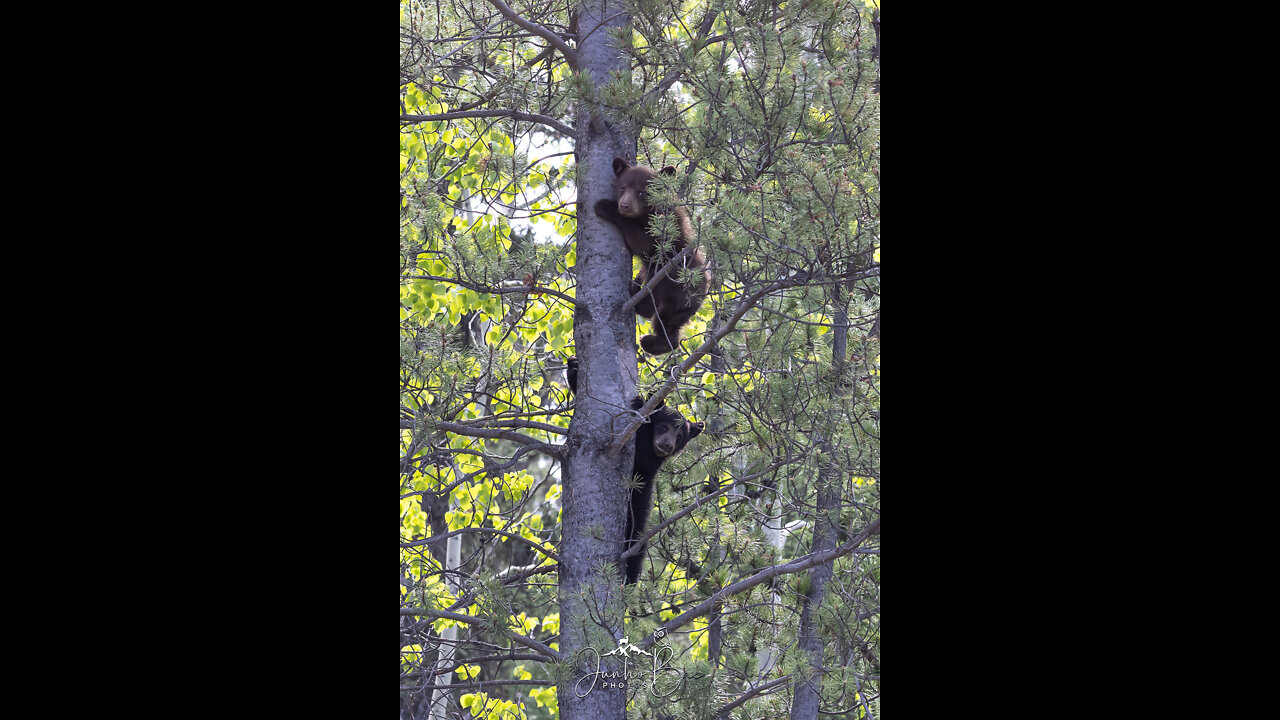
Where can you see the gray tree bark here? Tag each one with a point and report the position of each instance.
(804, 704)
(591, 610)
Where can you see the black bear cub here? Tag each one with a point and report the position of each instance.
(666, 434)
(671, 304)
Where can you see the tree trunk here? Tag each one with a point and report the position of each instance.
(449, 636)
(593, 524)
(804, 705)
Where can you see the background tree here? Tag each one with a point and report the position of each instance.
(762, 569)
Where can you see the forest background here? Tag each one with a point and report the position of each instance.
(760, 590)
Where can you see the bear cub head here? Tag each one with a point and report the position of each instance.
(671, 431)
(629, 181)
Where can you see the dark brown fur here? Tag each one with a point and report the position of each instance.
(671, 303)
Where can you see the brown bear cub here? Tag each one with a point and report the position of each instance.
(672, 303)
(666, 434)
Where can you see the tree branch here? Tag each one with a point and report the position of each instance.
(638, 547)
(741, 309)
(497, 291)
(570, 56)
(481, 684)
(795, 566)
(513, 423)
(469, 620)
(549, 553)
(494, 112)
(459, 429)
(724, 711)
(465, 661)
(647, 290)
(704, 27)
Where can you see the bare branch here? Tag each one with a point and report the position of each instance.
(496, 290)
(469, 620)
(494, 112)
(504, 422)
(545, 551)
(459, 429)
(570, 55)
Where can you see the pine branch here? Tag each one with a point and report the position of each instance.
(739, 310)
(724, 711)
(708, 21)
(795, 566)
(638, 547)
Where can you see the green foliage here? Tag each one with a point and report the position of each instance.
(770, 117)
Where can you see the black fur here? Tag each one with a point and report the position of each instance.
(667, 432)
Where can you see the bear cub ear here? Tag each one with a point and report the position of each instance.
(668, 170)
(620, 166)
(695, 429)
